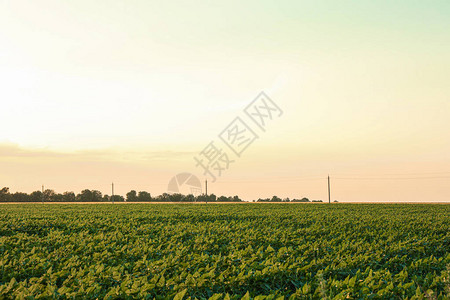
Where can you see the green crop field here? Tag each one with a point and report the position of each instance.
(228, 251)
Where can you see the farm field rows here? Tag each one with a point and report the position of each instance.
(229, 251)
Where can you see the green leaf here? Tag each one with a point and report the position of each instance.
(246, 296)
(305, 289)
(180, 295)
(351, 282)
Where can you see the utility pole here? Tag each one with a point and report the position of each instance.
(329, 193)
(112, 190)
(42, 194)
(206, 190)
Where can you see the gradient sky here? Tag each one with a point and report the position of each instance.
(130, 91)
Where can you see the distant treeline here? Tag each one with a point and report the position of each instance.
(132, 196)
(97, 196)
(276, 199)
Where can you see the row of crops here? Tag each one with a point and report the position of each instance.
(228, 251)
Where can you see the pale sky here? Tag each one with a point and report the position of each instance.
(130, 91)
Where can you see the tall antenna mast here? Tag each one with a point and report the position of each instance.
(206, 190)
(112, 190)
(329, 192)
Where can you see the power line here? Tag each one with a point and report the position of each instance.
(270, 180)
(398, 174)
(391, 178)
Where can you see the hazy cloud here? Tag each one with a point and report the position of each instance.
(10, 150)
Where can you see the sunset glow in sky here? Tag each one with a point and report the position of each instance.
(130, 91)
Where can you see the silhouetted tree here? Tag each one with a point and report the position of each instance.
(300, 200)
(49, 195)
(69, 197)
(263, 200)
(132, 196)
(236, 199)
(89, 196)
(189, 198)
(5, 195)
(20, 197)
(176, 197)
(223, 199)
(202, 198)
(36, 196)
(165, 197)
(144, 196)
(275, 199)
(118, 198)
